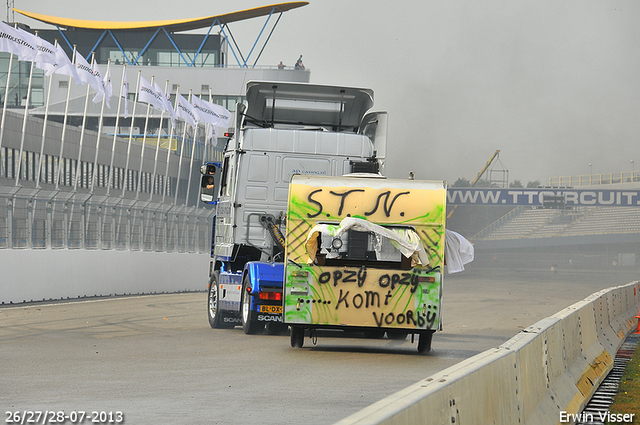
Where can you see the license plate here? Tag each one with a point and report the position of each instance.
(272, 309)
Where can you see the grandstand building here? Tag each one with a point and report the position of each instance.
(101, 182)
(558, 236)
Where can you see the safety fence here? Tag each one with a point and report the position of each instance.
(107, 224)
(595, 179)
(541, 376)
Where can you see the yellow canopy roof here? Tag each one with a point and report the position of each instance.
(173, 25)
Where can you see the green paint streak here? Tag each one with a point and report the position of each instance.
(324, 310)
(399, 294)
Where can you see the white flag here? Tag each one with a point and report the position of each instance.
(148, 95)
(108, 87)
(212, 133)
(86, 73)
(62, 65)
(103, 92)
(124, 92)
(212, 113)
(186, 111)
(167, 104)
(46, 53)
(13, 41)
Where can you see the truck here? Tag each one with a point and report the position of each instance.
(364, 253)
(284, 129)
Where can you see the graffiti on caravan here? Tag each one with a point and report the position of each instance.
(537, 197)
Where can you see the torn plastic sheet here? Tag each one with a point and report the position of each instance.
(405, 240)
(457, 250)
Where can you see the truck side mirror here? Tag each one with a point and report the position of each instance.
(208, 169)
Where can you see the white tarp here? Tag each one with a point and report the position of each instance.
(405, 240)
(457, 250)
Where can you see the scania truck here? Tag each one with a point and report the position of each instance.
(283, 129)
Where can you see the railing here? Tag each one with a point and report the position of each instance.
(595, 179)
(499, 222)
(52, 223)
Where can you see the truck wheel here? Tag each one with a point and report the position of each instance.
(249, 318)
(213, 306)
(297, 336)
(374, 333)
(275, 328)
(424, 342)
(398, 335)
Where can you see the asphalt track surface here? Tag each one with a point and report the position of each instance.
(156, 359)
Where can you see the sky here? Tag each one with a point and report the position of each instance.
(553, 84)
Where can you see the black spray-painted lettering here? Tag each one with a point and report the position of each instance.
(324, 278)
(313, 201)
(337, 274)
(372, 299)
(387, 207)
(349, 278)
(362, 275)
(368, 300)
(386, 204)
(410, 318)
(343, 196)
(409, 279)
(343, 298)
(344, 276)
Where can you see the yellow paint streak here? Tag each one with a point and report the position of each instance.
(575, 405)
(593, 374)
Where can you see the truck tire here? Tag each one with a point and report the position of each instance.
(397, 335)
(276, 328)
(297, 336)
(374, 333)
(424, 342)
(213, 306)
(250, 324)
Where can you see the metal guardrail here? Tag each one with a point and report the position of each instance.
(595, 179)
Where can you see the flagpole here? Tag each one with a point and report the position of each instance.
(193, 154)
(44, 127)
(215, 133)
(184, 136)
(64, 122)
(24, 125)
(144, 142)
(207, 126)
(206, 136)
(82, 131)
(115, 132)
(155, 161)
(133, 116)
(4, 107)
(100, 124)
(166, 171)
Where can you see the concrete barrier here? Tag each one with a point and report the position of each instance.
(551, 367)
(36, 275)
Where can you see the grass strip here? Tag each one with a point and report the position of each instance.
(628, 398)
